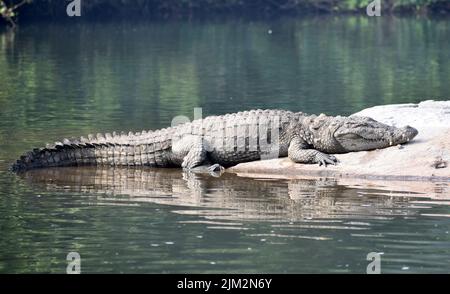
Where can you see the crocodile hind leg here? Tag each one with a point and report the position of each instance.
(196, 161)
(300, 152)
(195, 155)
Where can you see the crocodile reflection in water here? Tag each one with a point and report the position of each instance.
(227, 197)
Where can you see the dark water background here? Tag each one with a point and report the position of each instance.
(63, 80)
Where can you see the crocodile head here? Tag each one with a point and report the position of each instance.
(364, 133)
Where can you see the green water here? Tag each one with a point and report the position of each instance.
(63, 80)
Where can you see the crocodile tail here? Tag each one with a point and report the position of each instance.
(69, 152)
(103, 149)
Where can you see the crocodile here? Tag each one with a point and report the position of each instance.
(221, 141)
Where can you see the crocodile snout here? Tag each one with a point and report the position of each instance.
(406, 134)
(410, 132)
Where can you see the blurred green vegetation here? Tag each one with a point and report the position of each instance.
(93, 9)
(8, 10)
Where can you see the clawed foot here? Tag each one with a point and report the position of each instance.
(215, 170)
(324, 159)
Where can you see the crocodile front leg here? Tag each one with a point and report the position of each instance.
(300, 152)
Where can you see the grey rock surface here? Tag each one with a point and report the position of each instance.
(427, 157)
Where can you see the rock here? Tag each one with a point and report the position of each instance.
(424, 158)
(439, 163)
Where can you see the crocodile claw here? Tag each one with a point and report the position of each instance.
(216, 170)
(325, 159)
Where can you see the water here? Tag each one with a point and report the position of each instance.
(63, 80)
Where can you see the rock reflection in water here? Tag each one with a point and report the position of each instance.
(228, 197)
